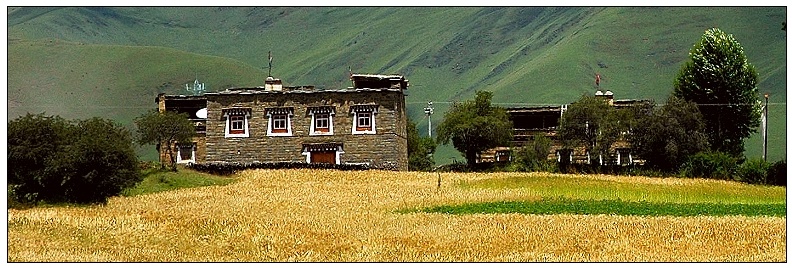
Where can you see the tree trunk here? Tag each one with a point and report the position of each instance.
(159, 154)
(470, 157)
(169, 150)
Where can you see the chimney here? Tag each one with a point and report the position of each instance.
(608, 96)
(273, 84)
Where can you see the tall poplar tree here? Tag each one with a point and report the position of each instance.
(720, 80)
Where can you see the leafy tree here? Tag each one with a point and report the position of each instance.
(533, 156)
(668, 136)
(475, 126)
(419, 149)
(32, 141)
(100, 162)
(754, 171)
(59, 161)
(593, 124)
(717, 165)
(165, 129)
(720, 80)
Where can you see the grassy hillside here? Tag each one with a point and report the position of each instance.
(524, 55)
(117, 82)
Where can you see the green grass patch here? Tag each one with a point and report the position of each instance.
(610, 207)
(156, 180)
(591, 188)
(593, 195)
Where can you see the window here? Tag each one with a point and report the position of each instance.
(185, 153)
(364, 119)
(321, 120)
(279, 121)
(502, 156)
(236, 120)
(237, 125)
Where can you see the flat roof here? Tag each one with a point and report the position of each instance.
(379, 76)
(534, 109)
(257, 90)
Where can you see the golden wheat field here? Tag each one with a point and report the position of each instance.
(349, 216)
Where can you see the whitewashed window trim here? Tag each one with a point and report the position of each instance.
(244, 113)
(315, 112)
(192, 149)
(274, 114)
(371, 112)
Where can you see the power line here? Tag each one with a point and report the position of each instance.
(556, 104)
(732, 104)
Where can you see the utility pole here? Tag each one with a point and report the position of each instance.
(429, 111)
(764, 128)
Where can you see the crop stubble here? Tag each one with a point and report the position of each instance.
(323, 215)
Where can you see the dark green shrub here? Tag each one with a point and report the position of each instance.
(668, 136)
(754, 171)
(546, 166)
(101, 162)
(776, 174)
(33, 141)
(716, 165)
(420, 150)
(533, 156)
(59, 161)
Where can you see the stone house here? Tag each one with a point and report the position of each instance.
(530, 122)
(195, 108)
(365, 123)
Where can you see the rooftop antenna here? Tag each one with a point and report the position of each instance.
(269, 73)
(198, 88)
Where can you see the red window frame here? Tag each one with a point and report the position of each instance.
(325, 119)
(364, 121)
(237, 124)
(280, 123)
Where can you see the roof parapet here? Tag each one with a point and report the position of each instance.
(379, 81)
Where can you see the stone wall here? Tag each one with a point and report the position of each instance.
(199, 140)
(385, 149)
(200, 148)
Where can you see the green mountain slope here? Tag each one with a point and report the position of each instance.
(115, 82)
(524, 55)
